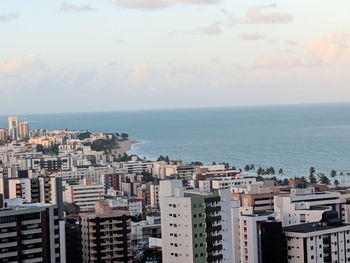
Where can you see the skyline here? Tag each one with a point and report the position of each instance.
(133, 55)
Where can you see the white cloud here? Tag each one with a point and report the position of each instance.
(65, 7)
(14, 64)
(158, 4)
(5, 18)
(140, 75)
(332, 48)
(212, 29)
(256, 15)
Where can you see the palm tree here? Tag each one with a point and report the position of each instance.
(312, 179)
(312, 170)
(323, 179)
(280, 171)
(333, 173)
(336, 182)
(246, 168)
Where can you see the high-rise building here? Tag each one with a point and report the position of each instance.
(4, 135)
(196, 226)
(23, 130)
(324, 241)
(106, 235)
(13, 127)
(31, 233)
(84, 195)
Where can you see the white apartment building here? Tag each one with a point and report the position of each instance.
(84, 195)
(86, 172)
(196, 227)
(305, 205)
(134, 206)
(326, 241)
(232, 181)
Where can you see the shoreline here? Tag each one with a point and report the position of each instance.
(125, 146)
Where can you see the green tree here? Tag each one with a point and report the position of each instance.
(124, 136)
(39, 148)
(252, 167)
(152, 255)
(323, 179)
(303, 180)
(312, 179)
(84, 135)
(333, 173)
(280, 171)
(336, 183)
(247, 168)
(312, 170)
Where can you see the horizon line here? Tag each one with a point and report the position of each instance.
(184, 108)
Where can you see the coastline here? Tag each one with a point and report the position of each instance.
(125, 146)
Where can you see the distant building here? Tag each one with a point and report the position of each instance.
(24, 130)
(106, 235)
(13, 127)
(4, 134)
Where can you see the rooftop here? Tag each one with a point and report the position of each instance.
(312, 227)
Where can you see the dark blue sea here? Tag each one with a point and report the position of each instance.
(290, 137)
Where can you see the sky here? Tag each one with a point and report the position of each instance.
(101, 55)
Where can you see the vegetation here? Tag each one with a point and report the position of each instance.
(71, 208)
(53, 150)
(323, 179)
(106, 145)
(84, 135)
(147, 177)
(197, 163)
(312, 179)
(152, 255)
(165, 159)
(124, 136)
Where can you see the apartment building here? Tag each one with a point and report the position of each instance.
(31, 233)
(260, 197)
(304, 205)
(196, 227)
(4, 134)
(260, 237)
(228, 182)
(154, 195)
(41, 189)
(106, 235)
(324, 241)
(84, 195)
(50, 164)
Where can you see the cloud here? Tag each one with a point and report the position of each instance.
(255, 15)
(140, 75)
(158, 4)
(14, 64)
(212, 29)
(65, 7)
(332, 48)
(5, 18)
(284, 60)
(252, 36)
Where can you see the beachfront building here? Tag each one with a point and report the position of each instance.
(196, 227)
(228, 182)
(106, 235)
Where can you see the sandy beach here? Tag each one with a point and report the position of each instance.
(125, 146)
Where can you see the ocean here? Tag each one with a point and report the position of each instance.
(293, 137)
